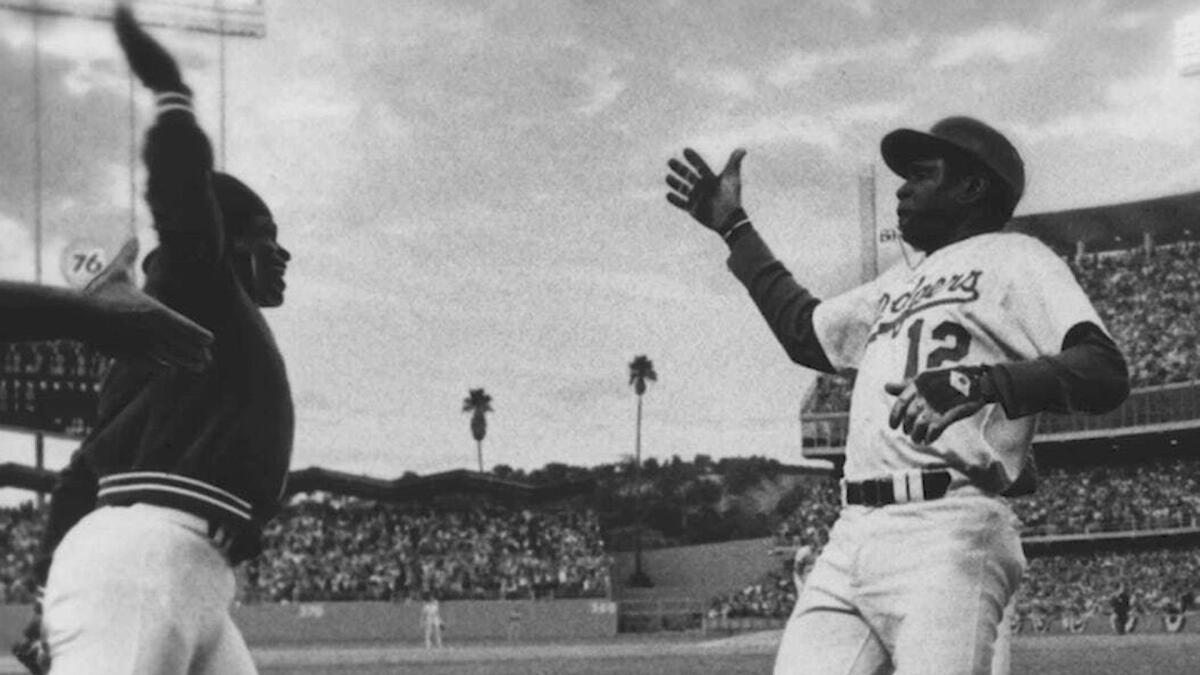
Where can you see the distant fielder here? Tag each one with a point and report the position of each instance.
(183, 470)
(955, 358)
(431, 621)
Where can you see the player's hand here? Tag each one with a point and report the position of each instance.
(32, 651)
(152, 64)
(709, 198)
(135, 324)
(926, 405)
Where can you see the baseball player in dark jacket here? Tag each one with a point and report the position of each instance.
(172, 488)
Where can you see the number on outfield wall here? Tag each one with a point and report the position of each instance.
(954, 342)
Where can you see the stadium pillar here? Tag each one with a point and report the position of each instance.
(867, 228)
(39, 461)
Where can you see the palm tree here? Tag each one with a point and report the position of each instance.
(640, 370)
(479, 404)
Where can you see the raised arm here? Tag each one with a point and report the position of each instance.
(715, 201)
(177, 153)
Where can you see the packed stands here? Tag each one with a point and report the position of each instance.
(347, 549)
(772, 597)
(1080, 584)
(20, 535)
(341, 548)
(1151, 303)
(1151, 494)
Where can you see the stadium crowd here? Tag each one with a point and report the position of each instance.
(342, 548)
(1150, 494)
(1079, 585)
(1150, 304)
(20, 535)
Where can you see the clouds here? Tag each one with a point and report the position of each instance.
(804, 66)
(1004, 43)
(601, 83)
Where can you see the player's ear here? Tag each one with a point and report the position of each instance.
(972, 188)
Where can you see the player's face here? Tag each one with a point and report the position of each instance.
(267, 262)
(928, 214)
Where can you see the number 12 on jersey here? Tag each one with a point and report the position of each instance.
(953, 344)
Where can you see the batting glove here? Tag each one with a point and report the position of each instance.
(952, 387)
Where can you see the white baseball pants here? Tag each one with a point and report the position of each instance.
(141, 590)
(910, 589)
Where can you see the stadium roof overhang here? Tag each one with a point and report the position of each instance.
(460, 482)
(1167, 219)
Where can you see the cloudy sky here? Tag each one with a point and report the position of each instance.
(473, 191)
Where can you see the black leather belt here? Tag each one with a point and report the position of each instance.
(922, 486)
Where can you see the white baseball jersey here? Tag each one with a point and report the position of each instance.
(992, 298)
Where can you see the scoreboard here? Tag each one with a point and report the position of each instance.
(51, 386)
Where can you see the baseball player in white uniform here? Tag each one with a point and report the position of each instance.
(955, 357)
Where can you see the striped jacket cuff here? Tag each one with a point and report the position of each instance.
(167, 101)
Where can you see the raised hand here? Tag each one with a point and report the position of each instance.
(135, 324)
(152, 64)
(710, 199)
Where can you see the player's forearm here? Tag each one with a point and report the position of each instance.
(786, 305)
(179, 160)
(1089, 376)
(36, 312)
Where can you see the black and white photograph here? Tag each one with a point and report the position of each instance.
(825, 337)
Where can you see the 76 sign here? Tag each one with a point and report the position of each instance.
(82, 261)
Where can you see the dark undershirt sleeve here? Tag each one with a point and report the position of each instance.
(786, 305)
(1089, 376)
(73, 498)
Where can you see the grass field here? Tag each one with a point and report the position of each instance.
(1065, 655)
(1068, 655)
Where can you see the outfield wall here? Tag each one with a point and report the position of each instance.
(700, 571)
(340, 622)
